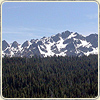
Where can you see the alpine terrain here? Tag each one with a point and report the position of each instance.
(62, 44)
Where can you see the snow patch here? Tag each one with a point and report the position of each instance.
(20, 48)
(72, 35)
(29, 43)
(94, 51)
(48, 48)
(61, 54)
(60, 44)
(84, 43)
(11, 53)
(42, 46)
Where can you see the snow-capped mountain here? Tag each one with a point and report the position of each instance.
(67, 43)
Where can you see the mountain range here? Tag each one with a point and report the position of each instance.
(61, 44)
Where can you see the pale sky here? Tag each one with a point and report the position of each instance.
(23, 21)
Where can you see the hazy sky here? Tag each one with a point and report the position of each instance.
(23, 21)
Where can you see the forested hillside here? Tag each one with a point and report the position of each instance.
(50, 77)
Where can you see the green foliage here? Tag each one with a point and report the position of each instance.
(50, 77)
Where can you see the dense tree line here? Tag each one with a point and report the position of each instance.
(50, 77)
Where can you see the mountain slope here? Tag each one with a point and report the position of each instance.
(67, 43)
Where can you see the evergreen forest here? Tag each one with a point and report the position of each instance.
(50, 77)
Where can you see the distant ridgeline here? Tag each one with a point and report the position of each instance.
(50, 77)
(61, 44)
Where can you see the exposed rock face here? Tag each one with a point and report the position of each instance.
(5, 45)
(14, 44)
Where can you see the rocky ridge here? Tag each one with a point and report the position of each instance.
(62, 44)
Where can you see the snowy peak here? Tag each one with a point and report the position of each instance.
(67, 43)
